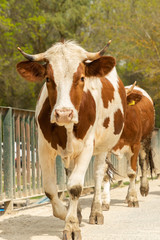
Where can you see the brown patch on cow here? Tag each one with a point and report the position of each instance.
(51, 86)
(100, 67)
(118, 122)
(32, 71)
(141, 115)
(75, 191)
(107, 92)
(54, 134)
(87, 115)
(135, 149)
(106, 122)
(77, 86)
(139, 123)
(49, 195)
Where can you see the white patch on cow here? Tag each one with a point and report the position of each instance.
(99, 169)
(103, 140)
(112, 76)
(43, 96)
(106, 198)
(78, 173)
(71, 214)
(142, 91)
(47, 157)
(126, 150)
(65, 59)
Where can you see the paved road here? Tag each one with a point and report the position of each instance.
(121, 222)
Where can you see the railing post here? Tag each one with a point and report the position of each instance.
(7, 159)
(0, 155)
(33, 154)
(23, 156)
(18, 163)
(28, 154)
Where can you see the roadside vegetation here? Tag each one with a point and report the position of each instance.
(34, 25)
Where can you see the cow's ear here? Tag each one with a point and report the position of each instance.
(134, 98)
(100, 67)
(31, 71)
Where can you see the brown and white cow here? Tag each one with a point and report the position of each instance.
(80, 113)
(135, 140)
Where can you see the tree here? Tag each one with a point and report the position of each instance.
(133, 27)
(34, 26)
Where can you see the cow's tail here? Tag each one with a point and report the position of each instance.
(149, 156)
(111, 171)
(151, 162)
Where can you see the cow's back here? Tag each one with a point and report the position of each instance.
(146, 111)
(139, 115)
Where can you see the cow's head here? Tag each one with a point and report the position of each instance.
(66, 70)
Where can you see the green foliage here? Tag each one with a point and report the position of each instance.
(35, 25)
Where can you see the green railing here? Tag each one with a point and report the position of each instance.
(19, 164)
(20, 174)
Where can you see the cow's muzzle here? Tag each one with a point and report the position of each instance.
(63, 116)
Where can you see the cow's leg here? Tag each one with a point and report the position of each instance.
(47, 161)
(106, 194)
(131, 198)
(96, 216)
(75, 185)
(79, 215)
(144, 184)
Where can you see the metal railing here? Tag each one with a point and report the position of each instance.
(19, 164)
(20, 174)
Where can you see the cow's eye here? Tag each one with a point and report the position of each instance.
(47, 79)
(82, 79)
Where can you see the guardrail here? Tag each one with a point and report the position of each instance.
(20, 174)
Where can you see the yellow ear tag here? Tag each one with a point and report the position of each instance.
(132, 103)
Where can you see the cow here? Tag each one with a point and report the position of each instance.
(135, 142)
(80, 113)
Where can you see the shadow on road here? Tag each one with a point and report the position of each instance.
(155, 193)
(118, 202)
(26, 226)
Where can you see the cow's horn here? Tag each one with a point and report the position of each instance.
(129, 90)
(96, 55)
(36, 57)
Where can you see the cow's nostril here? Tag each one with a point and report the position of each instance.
(70, 114)
(63, 115)
(56, 113)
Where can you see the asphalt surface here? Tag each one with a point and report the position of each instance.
(120, 222)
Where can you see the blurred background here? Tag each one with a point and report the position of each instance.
(34, 25)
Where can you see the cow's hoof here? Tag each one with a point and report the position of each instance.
(67, 235)
(105, 206)
(144, 190)
(144, 186)
(97, 219)
(133, 204)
